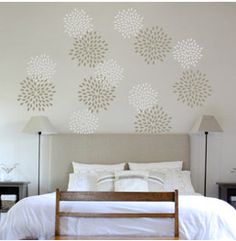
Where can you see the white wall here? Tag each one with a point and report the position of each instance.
(28, 30)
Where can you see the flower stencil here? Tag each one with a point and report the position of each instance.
(112, 72)
(89, 50)
(152, 121)
(36, 94)
(41, 67)
(77, 23)
(96, 94)
(83, 122)
(142, 96)
(187, 53)
(193, 88)
(128, 22)
(153, 44)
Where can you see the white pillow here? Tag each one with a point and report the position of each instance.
(156, 181)
(131, 181)
(78, 167)
(180, 180)
(82, 181)
(177, 165)
(105, 181)
(88, 181)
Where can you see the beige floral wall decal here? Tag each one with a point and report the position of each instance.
(152, 121)
(153, 44)
(188, 53)
(89, 49)
(37, 89)
(36, 94)
(41, 67)
(193, 88)
(128, 22)
(83, 122)
(150, 118)
(143, 96)
(77, 23)
(96, 94)
(111, 70)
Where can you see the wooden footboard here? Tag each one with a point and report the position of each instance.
(116, 196)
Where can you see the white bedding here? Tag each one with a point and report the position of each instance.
(200, 218)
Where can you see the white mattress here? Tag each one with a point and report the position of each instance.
(200, 218)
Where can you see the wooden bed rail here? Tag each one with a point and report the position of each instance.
(116, 196)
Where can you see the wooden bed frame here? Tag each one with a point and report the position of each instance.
(116, 196)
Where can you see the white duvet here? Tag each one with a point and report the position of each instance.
(200, 218)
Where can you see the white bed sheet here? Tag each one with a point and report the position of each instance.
(200, 218)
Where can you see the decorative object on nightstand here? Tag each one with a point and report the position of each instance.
(39, 125)
(7, 169)
(206, 124)
(227, 192)
(11, 192)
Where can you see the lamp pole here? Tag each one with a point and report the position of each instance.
(206, 124)
(39, 125)
(205, 176)
(39, 145)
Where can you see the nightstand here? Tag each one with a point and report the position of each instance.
(20, 189)
(227, 192)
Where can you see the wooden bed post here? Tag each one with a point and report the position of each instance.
(176, 214)
(57, 223)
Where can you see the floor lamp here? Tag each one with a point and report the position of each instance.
(206, 124)
(39, 125)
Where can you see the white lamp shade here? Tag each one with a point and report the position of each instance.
(38, 124)
(206, 123)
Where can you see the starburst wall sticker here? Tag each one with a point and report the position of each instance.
(153, 44)
(96, 94)
(89, 50)
(193, 88)
(83, 122)
(36, 94)
(152, 121)
(188, 53)
(128, 22)
(41, 67)
(142, 96)
(37, 90)
(77, 23)
(112, 72)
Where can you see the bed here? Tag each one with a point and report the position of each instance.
(199, 217)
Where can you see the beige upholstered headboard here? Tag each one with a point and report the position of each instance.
(110, 149)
